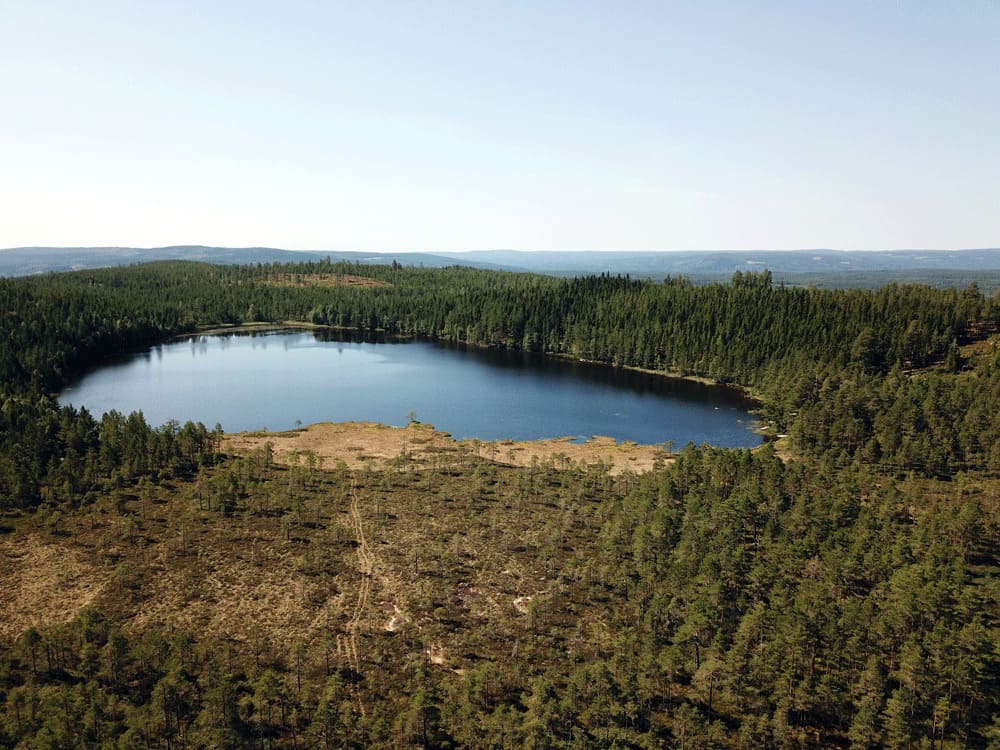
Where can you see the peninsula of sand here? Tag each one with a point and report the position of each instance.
(361, 443)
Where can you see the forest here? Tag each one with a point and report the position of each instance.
(835, 588)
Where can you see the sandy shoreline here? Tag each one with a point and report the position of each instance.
(361, 443)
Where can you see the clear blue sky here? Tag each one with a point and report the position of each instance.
(475, 125)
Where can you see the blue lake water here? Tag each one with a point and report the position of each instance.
(277, 379)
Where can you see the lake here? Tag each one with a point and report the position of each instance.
(277, 379)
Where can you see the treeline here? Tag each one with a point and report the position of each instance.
(61, 455)
(934, 422)
(780, 602)
(57, 324)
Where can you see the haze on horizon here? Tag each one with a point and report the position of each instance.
(459, 126)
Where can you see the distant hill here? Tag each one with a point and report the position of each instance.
(841, 268)
(24, 261)
(727, 261)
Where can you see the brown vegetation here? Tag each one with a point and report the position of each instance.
(361, 443)
(325, 280)
(342, 562)
(44, 582)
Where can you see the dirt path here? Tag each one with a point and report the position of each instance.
(366, 566)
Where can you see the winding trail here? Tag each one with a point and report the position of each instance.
(366, 564)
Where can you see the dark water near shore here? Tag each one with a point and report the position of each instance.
(277, 379)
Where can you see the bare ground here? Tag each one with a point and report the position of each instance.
(359, 443)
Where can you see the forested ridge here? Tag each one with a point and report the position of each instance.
(847, 597)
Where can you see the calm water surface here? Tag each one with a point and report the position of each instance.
(274, 380)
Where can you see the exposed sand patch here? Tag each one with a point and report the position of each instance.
(521, 604)
(358, 443)
(436, 654)
(984, 345)
(783, 448)
(397, 621)
(44, 584)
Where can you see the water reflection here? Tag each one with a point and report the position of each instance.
(243, 382)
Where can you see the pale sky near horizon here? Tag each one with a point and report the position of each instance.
(456, 126)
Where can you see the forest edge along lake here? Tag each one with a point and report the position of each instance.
(277, 379)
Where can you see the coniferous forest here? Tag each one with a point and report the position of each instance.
(837, 587)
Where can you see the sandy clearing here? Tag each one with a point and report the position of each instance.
(360, 443)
